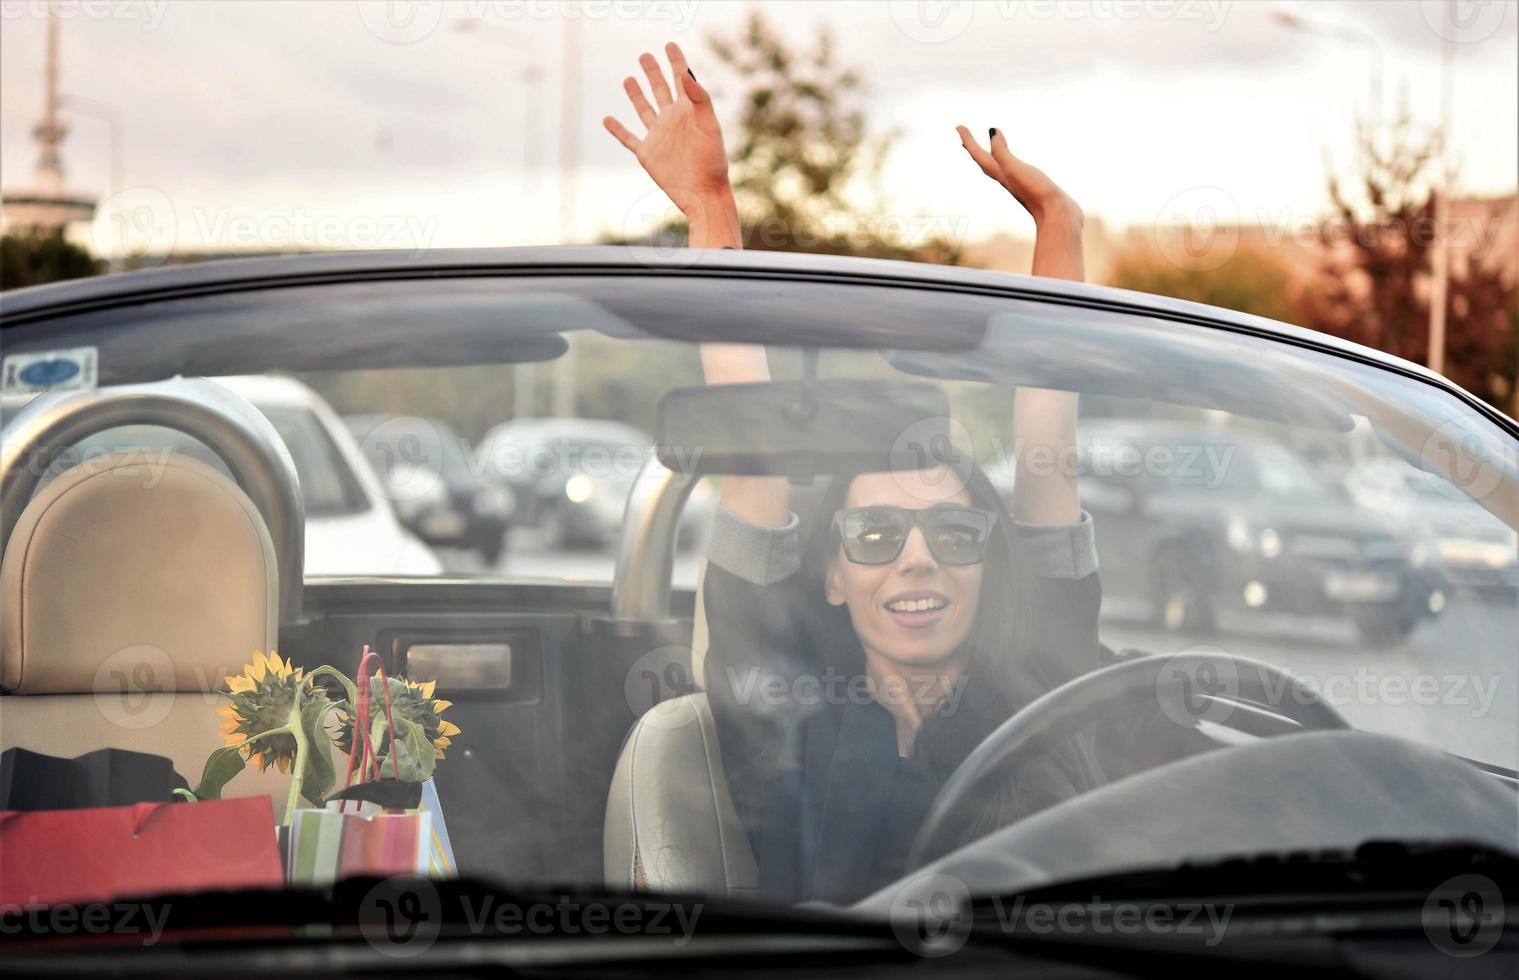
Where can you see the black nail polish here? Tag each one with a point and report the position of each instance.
(693, 75)
(991, 134)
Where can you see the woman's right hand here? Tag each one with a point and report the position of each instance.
(683, 148)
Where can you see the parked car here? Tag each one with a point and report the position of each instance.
(586, 783)
(350, 528)
(1462, 546)
(430, 476)
(1198, 520)
(571, 478)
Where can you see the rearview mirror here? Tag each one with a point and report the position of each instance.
(804, 429)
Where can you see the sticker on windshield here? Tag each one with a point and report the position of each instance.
(51, 370)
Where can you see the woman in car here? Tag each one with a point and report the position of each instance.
(921, 614)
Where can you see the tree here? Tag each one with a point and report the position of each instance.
(1250, 280)
(31, 260)
(805, 164)
(1374, 284)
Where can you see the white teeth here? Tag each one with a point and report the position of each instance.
(916, 605)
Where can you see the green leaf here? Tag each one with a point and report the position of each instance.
(318, 774)
(221, 767)
(414, 753)
(418, 758)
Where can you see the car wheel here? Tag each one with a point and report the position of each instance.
(490, 546)
(1384, 625)
(1182, 602)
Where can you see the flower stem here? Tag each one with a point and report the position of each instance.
(348, 685)
(298, 764)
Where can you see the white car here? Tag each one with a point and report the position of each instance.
(350, 526)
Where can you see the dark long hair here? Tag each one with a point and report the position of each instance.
(1000, 674)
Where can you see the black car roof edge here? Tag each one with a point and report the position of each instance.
(237, 274)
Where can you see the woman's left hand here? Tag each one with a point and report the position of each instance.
(1039, 195)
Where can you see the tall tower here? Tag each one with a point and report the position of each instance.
(46, 208)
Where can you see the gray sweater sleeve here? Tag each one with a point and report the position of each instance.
(766, 555)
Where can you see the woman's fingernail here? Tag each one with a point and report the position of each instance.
(991, 134)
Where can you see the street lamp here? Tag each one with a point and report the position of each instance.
(530, 75)
(1296, 22)
(523, 387)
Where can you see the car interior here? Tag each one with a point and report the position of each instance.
(589, 751)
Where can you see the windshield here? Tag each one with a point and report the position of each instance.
(1223, 501)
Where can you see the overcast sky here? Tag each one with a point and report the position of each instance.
(335, 123)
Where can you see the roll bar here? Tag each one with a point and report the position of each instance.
(233, 429)
(646, 548)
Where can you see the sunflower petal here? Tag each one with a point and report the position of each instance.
(427, 687)
(439, 706)
(256, 669)
(437, 753)
(276, 665)
(447, 728)
(443, 741)
(239, 684)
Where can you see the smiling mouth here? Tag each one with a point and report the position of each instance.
(917, 610)
(927, 604)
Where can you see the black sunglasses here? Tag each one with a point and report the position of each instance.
(877, 535)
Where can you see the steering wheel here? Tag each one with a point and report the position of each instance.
(1192, 687)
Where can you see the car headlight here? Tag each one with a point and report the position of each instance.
(1238, 535)
(579, 488)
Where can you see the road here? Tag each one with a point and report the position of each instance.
(1454, 684)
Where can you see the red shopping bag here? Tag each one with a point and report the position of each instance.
(104, 853)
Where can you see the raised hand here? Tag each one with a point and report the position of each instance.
(1039, 195)
(683, 146)
(1044, 422)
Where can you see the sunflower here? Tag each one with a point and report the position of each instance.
(410, 701)
(262, 698)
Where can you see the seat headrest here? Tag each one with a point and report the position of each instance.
(154, 566)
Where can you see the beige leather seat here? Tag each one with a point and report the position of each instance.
(670, 822)
(131, 587)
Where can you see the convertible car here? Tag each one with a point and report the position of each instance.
(1322, 824)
